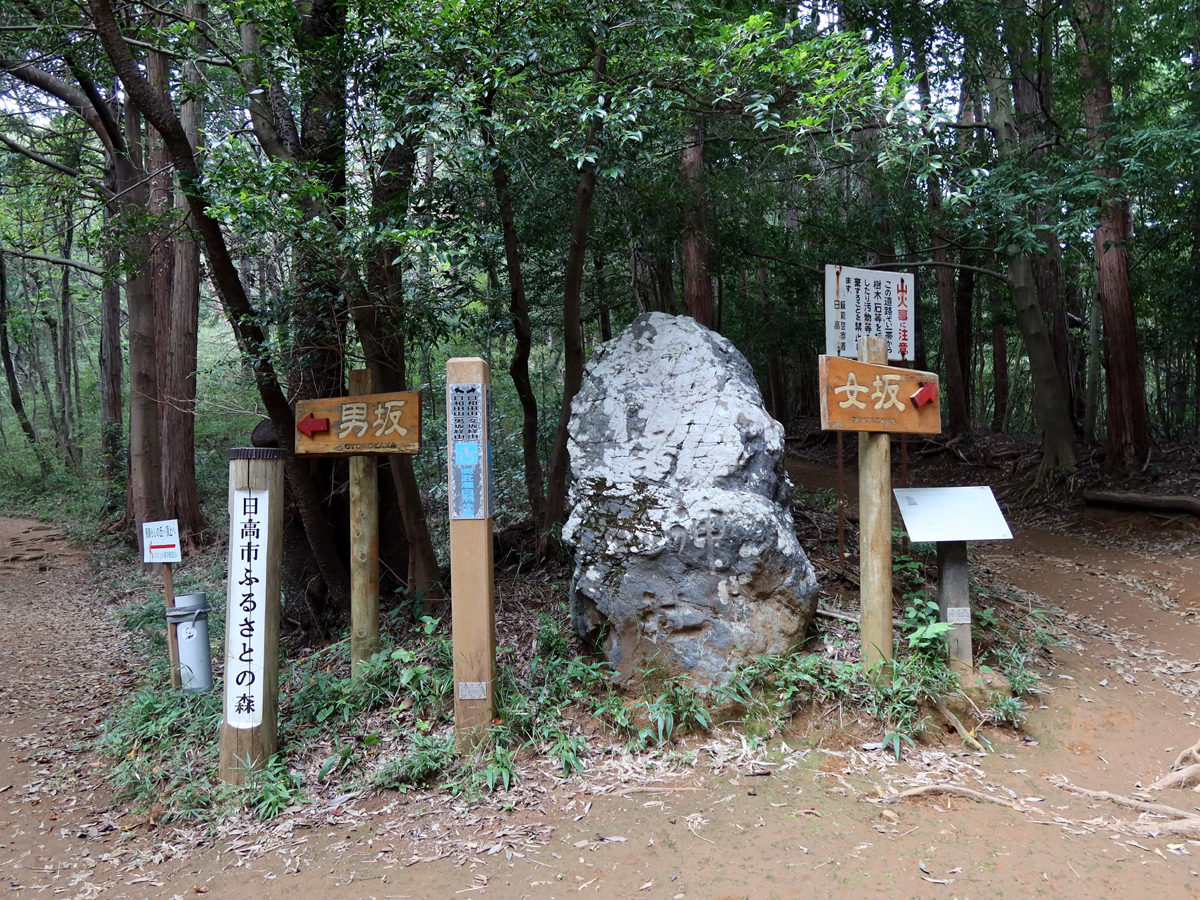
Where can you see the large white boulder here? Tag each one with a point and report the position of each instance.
(686, 559)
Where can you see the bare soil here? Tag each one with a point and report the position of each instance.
(799, 816)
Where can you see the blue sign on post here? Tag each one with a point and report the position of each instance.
(469, 489)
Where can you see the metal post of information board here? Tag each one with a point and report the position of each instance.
(473, 608)
(250, 728)
(364, 546)
(875, 528)
(954, 601)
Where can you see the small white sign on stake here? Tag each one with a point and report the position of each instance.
(245, 655)
(160, 542)
(866, 303)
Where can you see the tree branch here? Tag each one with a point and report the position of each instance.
(57, 166)
(62, 261)
(56, 87)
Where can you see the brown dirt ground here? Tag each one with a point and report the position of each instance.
(1122, 702)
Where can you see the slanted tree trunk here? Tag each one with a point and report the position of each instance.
(1127, 442)
(1051, 411)
(556, 495)
(10, 376)
(697, 285)
(518, 307)
(242, 318)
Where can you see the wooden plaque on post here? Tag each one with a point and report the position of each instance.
(858, 396)
(250, 728)
(365, 423)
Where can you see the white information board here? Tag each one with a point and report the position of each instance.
(952, 514)
(160, 542)
(245, 653)
(866, 303)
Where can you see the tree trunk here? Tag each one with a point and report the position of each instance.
(178, 388)
(380, 324)
(1127, 442)
(777, 391)
(1033, 87)
(964, 303)
(697, 285)
(63, 343)
(145, 500)
(518, 307)
(243, 321)
(956, 393)
(111, 363)
(10, 376)
(664, 282)
(1051, 411)
(556, 497)
(999, 373)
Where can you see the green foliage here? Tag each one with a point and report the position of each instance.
(1008, 711)
(273, 788)
(1013, 663)
(925, 633)
(424, 759)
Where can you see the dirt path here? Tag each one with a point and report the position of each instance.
(1119, 706)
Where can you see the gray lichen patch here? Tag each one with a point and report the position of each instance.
(685, 554)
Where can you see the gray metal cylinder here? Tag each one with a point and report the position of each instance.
(190, 617)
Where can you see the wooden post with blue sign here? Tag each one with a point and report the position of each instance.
(473, 607)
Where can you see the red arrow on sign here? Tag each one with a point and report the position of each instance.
(162, 546)
(926, 394)
(310, 425)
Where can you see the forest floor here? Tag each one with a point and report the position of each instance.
(797, 817)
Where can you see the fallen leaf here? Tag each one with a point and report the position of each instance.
(646, 886)
(921, 865)
(937, 880)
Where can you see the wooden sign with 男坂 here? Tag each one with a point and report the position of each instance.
(364, 424)
(857, 396)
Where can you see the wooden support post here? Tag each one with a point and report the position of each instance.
(250, 728)
(172, 628)
(364, 545)
(954, 601)
(875, 528)
(473, 609)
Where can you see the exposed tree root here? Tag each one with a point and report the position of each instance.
(958, 725)
(1190, 755)
(1182, 827)
(1128, 802)
(928, 790)
(1184, 777)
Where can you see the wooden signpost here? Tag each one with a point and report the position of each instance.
(473, 607)
(160, 544)
(876, 400)
(250, 728)
(361, 426)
